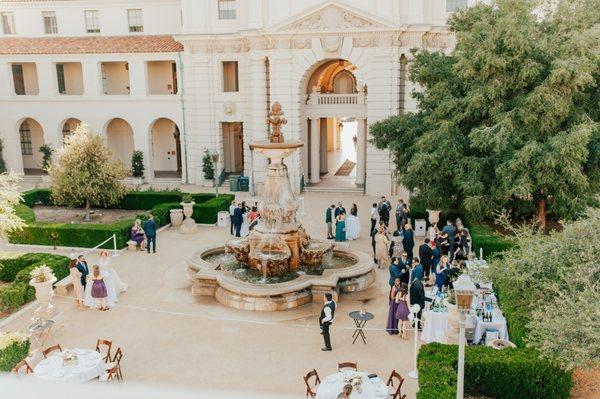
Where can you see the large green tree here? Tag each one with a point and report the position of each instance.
(84, 174)
(510, 119)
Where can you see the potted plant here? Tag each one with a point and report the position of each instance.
(46, 151)
(208, 169)
(42, 279)
(137, 167)
(188, 225)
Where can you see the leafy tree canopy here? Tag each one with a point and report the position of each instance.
(511, 118)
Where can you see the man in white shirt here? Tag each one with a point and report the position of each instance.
(231, 212)
(374, 215)
(326, 318)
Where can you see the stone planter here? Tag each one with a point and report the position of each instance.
(189, 225)
(176, 216)
(44, 294)
(433, 216)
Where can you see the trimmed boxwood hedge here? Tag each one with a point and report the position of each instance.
(502, 374)
(90, 235)
(11, 355)
(17, 271)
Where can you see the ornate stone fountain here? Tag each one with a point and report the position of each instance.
(278, 246)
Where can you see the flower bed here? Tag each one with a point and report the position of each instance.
(14, 347)
(502, 374)
(90, 235)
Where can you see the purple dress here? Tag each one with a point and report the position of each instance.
(136, 235)
(99, 289)
(402, 310)
(392, 322)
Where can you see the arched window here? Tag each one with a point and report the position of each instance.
(25, 133)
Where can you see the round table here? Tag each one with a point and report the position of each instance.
(436, 324)
(360, 319)
(89, 366)
(371, 388)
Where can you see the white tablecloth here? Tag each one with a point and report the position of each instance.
(436, 324)
(352, 227)
(333, 384)
(498, 322)
(89, 366)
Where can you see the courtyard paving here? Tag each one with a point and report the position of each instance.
(170, 337)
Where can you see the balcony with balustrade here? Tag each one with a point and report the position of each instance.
(334, 105)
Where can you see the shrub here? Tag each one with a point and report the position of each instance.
(47, 151)
(137, 164)
(14, 347)
(510, 373)
(13, 296)
(208, 166)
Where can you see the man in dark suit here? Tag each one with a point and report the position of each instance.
(329, 221)
(417, 295)
(339, 210)
(409, 240)
(451, 231)
(238, 219)
(326, 319)
(82, 266)
(150, 230)
(426, 256)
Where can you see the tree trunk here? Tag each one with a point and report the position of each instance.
(540, 212)
(87, 210)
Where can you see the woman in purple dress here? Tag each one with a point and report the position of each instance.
(137, 234)
(402, 311)
(392, 322)
(99, 292)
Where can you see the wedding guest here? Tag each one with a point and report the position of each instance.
(462, 251)
(340, 227)
(405, 268)
(384, 211)
(82, 266)
(99, 292)
(346, 392)
(426, 256)
(441, 272)
(396, 244)
(354, 210)
(137, 234)
(405, 214)
(381, 247)
(329, 221)
(450, 230)
(409, 240)
(77, 286)
(417, 295)
(392, 321)
(253, 217)
(399, 214)
(417, 270)
(238, 219)
(326, 319)
(106, 266)
(232, 208)
(339, 210)
(394, 270)
(374, 215)
(433, 232)
(402, 311)
(150, 228)
(442, 243)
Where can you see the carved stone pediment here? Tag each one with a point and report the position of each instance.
(331, 18)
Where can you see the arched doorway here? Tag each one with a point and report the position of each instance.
(166, 149)
(335, 112)
(69, 127)
(31, 136)
(119, 138)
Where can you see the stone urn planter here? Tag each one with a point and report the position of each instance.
(189, 225)
(176, 216)
(44, 294)
(433, 215)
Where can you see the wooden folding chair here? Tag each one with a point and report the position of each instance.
(106, 343)
(396, 393)
(116, 362)
(51, 349)
(311, 390)
(20, 365)
(347, 365)
(110, 375)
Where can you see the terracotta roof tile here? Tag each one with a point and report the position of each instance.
(89, 45)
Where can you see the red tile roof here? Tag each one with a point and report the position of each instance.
(89, 45)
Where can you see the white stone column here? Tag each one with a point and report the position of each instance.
(46, 72)
(315, 143)
(324, 131)
(92, 78)
(361, 151)
(137, 78)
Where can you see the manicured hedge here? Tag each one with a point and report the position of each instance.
(90, 235)
(17, 271)
(12, 354)
(501, 374)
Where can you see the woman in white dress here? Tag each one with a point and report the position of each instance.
(245, 229)
(106, 266)
(77, 286)
(353, 224)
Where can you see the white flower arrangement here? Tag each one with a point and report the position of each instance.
(8, 338)
(355, 379)
(41, 274)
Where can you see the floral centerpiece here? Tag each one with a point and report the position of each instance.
(355, 379)
(42, 274)
(69, 358)
(14, 347)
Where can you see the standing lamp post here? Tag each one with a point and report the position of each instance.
(414, 311)
(464, 289)
(215, 159)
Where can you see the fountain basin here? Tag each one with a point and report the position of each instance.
(208, 279)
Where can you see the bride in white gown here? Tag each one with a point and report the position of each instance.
(111, 292)
(245, 229)
(106, 267)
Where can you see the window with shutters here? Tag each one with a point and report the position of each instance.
(25, 133)
(230, 76)
(60, 78)
(227, 9)
(50, 25)
(135, 20)
(8, 23)
(92, 21)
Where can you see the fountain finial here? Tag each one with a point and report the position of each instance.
(276, 119)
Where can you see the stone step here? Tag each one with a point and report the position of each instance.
(317, 189)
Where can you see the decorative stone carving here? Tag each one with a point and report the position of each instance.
(229, 108)
(331, 44)
(218, 47)
(331, 17)
(436, 40)
(411, 39)
(301, 43)
(363, 41)
(268, 44)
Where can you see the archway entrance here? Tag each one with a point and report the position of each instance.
(31, 136)
(166, 149)
(69, 127)
(119, 138)
(335, 111)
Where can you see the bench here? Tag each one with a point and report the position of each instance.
(132, 245)
(62, 287)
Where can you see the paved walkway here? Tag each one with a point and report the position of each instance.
(171, 337)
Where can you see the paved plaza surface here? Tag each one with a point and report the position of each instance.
(170, 337)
